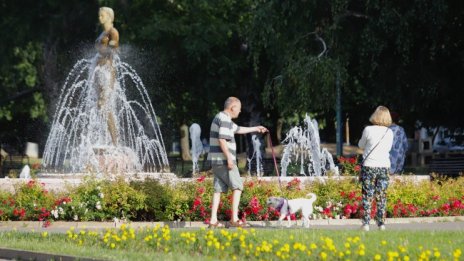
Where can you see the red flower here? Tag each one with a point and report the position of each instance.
(201, 179)
(327, 212)
(46, 223)
(201, 190)
(196, 202)
(31, 183)
(352, 195)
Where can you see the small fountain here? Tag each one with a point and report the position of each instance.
(105, 121)
(256, 156)
(303, 145)
(197, 146)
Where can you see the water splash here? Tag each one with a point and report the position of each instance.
(120, 134)
(197, 146)
(302, 144)
(257, 157)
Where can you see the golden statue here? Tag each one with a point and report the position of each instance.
(106, 44)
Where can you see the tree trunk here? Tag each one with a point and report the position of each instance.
(184, 142)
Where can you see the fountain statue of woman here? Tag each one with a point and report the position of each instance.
(105, 121)
(106, 44)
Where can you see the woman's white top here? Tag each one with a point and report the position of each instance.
(380, 156)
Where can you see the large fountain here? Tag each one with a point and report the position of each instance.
(104, 121)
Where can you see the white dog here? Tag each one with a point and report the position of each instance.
(286, 207)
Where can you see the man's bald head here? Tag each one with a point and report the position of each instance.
(230, 102)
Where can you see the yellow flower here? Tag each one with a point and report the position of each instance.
(383, 242)
(44, 234)
(323, 255)
(112, 245)
(457, 253)
(406, 258)
(361, 252)
(377, 257)
(436, 254)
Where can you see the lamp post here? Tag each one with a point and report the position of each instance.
(339, 131)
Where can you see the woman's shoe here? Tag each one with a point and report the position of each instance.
(365, 227)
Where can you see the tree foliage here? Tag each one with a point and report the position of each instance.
(287, 54)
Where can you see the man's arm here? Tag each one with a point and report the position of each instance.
(225, 151)
(245, 130)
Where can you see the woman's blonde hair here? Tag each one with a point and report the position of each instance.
(109, 11)
(381, 116)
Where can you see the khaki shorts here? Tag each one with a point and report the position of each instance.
(225, 179)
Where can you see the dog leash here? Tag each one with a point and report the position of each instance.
(275, 161)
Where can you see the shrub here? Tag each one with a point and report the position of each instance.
(31, 202)
(97, 200)
(158, 198)
(121, 200)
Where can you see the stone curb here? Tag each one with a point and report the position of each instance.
(21, 225)
(15, 254)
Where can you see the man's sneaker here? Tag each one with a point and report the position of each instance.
(365, 227)
(382, 227)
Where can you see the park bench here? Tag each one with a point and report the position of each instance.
(449, 165)
(12, 163)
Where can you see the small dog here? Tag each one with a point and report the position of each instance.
(286, 207)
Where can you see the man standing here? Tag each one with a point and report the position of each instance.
(223, 157)
(400, 145)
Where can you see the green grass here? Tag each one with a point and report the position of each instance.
(58, 244)
(355, 245)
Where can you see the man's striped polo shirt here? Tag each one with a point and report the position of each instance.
(222, 127)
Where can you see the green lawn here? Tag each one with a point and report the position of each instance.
(229, 244)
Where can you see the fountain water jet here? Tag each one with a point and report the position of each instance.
(197, 146)
(105, 121)
(303, 145)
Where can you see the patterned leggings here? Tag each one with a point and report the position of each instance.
(375, 182)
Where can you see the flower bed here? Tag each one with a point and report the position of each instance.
(99, 200)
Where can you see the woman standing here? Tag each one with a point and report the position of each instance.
(376, 141)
